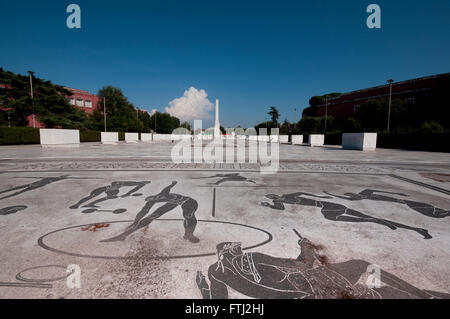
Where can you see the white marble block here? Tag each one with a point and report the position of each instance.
(131, 137)
(110, 137)
(359, 141)
(275, 138)
(59, 137)
(297, 139)
(146, 137)
(207, 137)
(162, 137)
(181, 137)
(316, 140)
(284, 139)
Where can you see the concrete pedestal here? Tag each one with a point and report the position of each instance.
(146, 137)
(181, 137)
(162, 137)
(131, 137)
(297, 139)
(110, 138)
(59, 138)
(316, 140)
(359, 141)
(284, 139)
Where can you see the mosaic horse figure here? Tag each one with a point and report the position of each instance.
(259, 275)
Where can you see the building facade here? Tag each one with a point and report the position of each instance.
(84, 100)
(345, 105)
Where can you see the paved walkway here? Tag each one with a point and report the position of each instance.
(140, 226)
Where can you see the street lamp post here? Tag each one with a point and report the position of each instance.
(326, 113)
(104, 111)
(390, 103)
(137, 119)
(295, 119)
(32, 96)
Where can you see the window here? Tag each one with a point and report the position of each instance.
(410, 100)
(88, 103)
(79, 102)
(355, 108)
(2, 94)
(72, 101)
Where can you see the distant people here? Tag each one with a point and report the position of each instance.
(171, 200)
(335, 211)
(259, 275)
(111, 192)
(422, 208)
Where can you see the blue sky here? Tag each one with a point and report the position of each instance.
(249, 54)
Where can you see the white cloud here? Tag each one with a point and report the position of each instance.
(193, 105)
(153, 111)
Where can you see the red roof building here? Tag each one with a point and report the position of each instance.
(345, 105)
(84, 100)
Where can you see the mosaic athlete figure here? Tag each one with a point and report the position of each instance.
(422, 208)
(11, 210)
(259, 275)
(171, 200)
(111, 191)
(233, 177)
(32, 186)
(335, 211)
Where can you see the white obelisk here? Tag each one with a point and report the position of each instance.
(217, 132)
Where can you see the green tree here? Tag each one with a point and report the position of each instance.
(374, 113)
(285, 128)
(310, 111)
(164, 123)
(186, 125)
(265, 125)
(314, 103)
(274, 114)
(50, 103)
(121, 114)
(316, 125)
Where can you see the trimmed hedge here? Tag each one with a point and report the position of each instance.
(414, 141)
(29, 135)
(90, 136)
(431, 142)
(334, 138)
(121, 136)
(19, 135)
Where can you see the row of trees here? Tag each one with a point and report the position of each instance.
(49, 102)
(430, 112)
(121, 115)
(54, 110)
